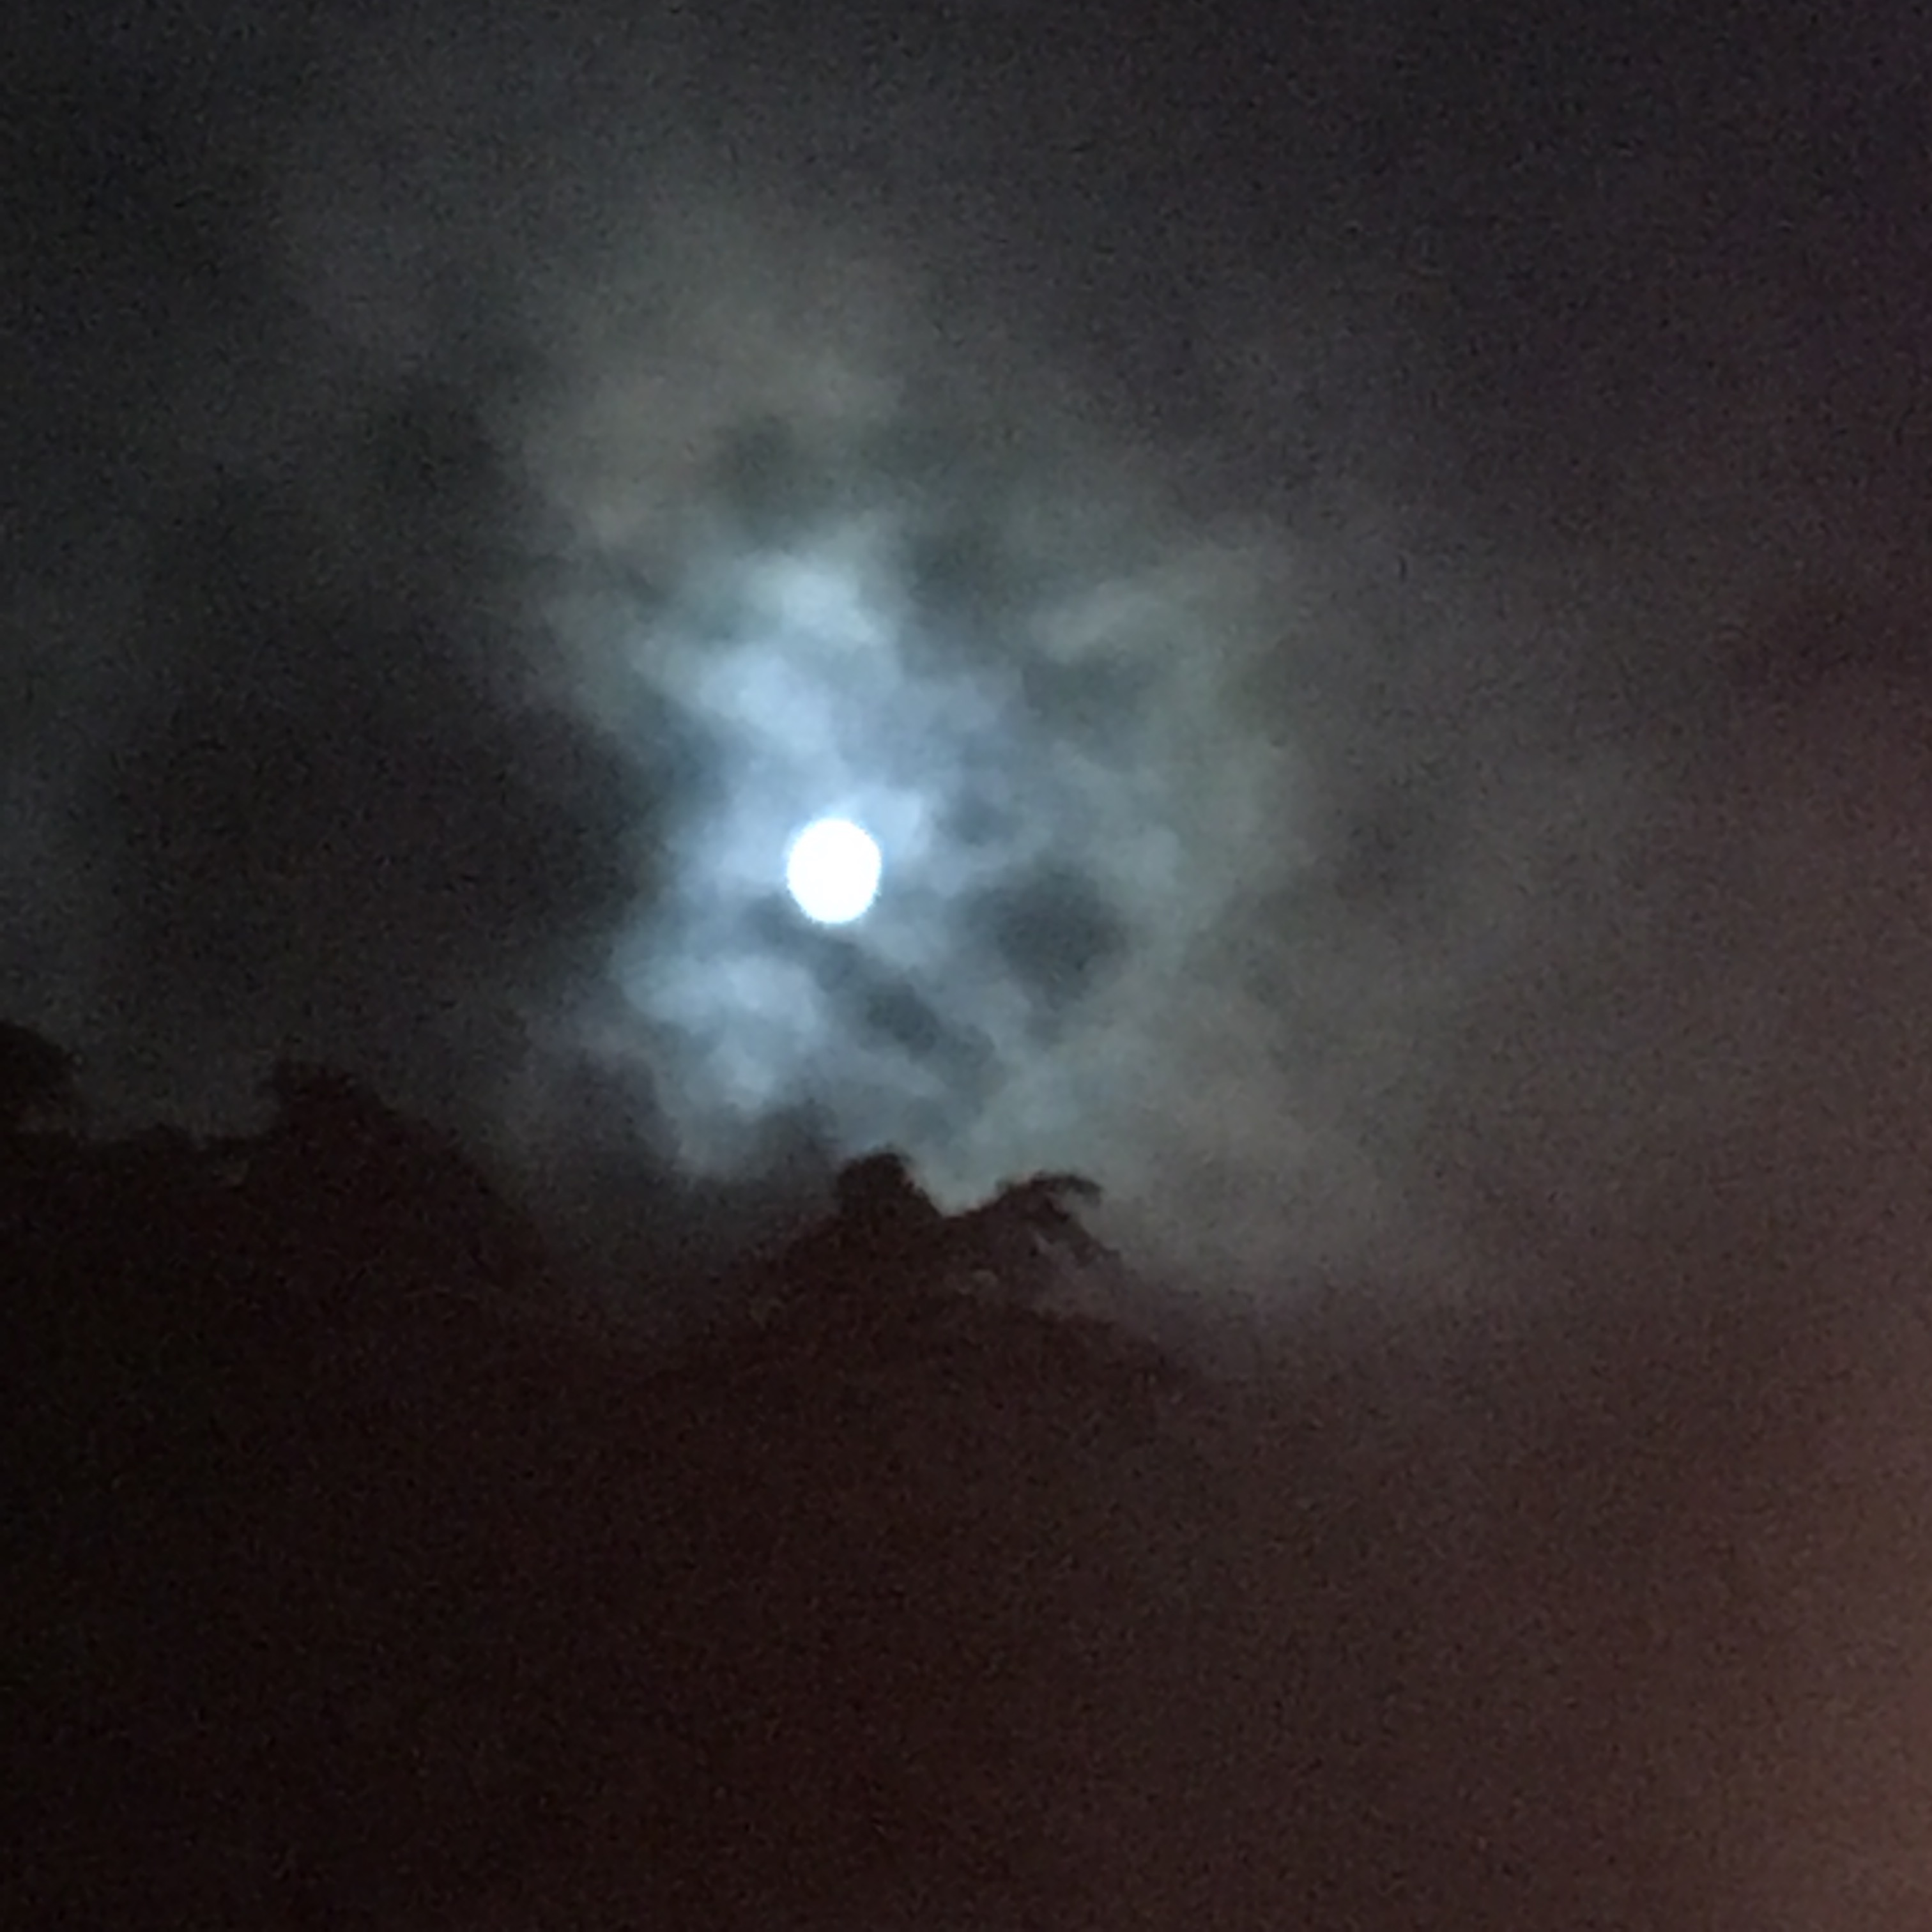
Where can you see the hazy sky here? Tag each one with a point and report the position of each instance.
(1366, 580)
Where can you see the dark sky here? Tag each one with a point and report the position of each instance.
(1366, 572)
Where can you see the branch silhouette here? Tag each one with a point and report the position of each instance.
(887, 1243)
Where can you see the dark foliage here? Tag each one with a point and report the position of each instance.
(349, 1582)
(345, 1590)
(36, 1078)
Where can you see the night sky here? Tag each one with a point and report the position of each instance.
(1364, 566)
(1363, 570)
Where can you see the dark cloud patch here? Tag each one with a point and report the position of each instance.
(1092, 701)
(775, 484)
(959, 572)
(889, 1011)
(993, 555)
(897, 1016)
(1054, 933)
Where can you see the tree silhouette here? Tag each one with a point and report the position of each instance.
(884, 1238)
(36, 1080)
(1028, 1237)
(887, 1241)
(434, 1578)
(339, 1164)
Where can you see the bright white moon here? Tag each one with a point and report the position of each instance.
(833, 871)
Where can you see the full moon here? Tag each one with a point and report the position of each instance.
(832, 869)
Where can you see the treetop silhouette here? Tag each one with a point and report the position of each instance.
(887, 1241)
(37, 1080)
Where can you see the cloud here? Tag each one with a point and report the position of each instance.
(1267, 577)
